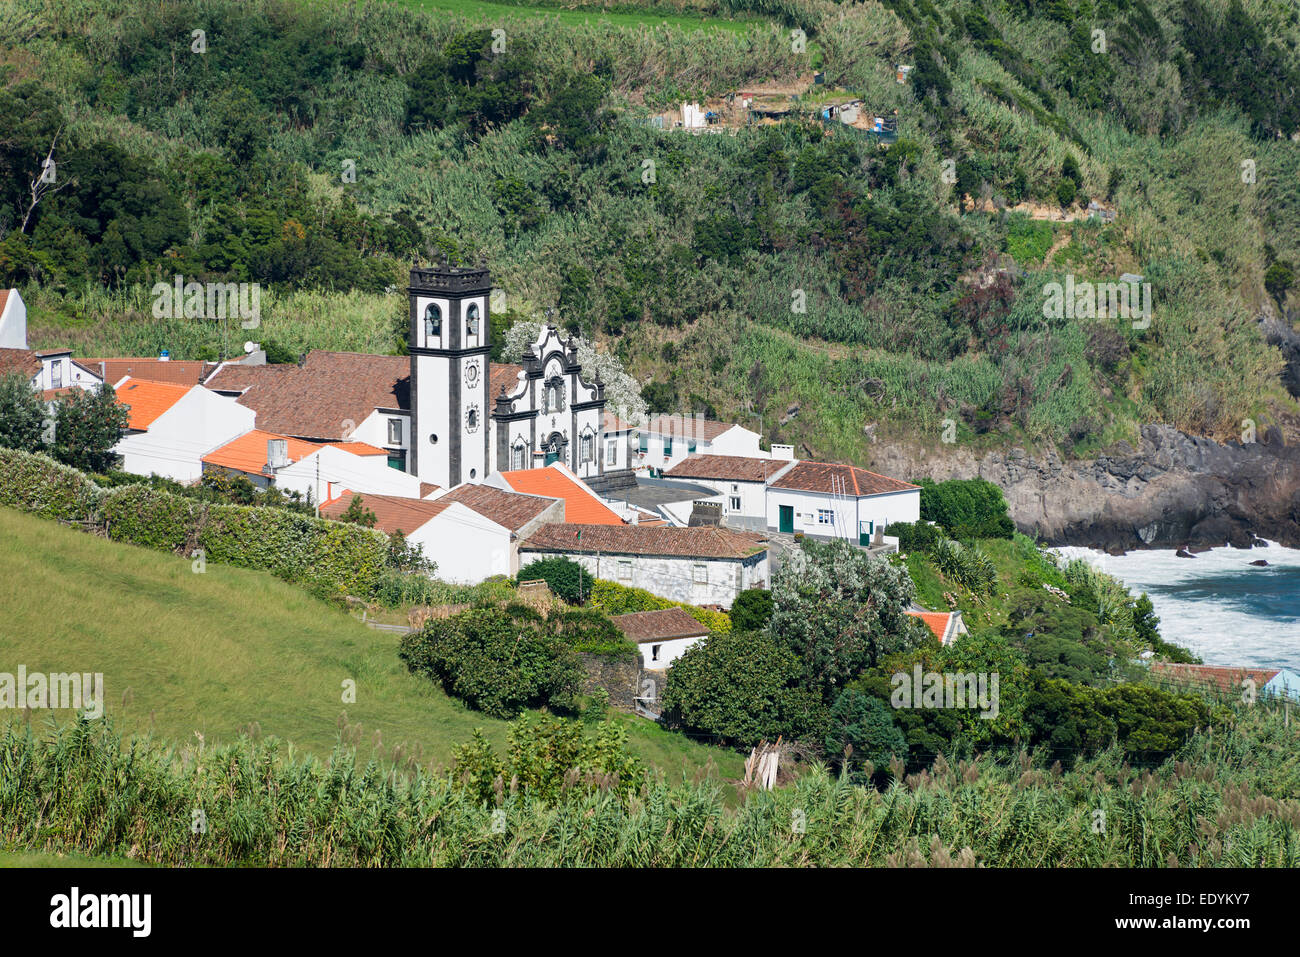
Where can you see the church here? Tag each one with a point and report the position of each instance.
(471, 417)
(445, 413)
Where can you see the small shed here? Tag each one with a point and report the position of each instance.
(662, 635)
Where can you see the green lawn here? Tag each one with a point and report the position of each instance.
(482, 9)
(50, 859)
(215, 652)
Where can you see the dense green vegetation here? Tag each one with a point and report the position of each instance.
(789, 264)
(1224, 799)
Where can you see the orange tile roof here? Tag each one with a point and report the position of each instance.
(581, 506)
(1218, 678)
(147, 400)
(248, 452)
(358, 448)
(936, 621)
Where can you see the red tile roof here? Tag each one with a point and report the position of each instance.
(581, 504)
(319, 399)
(508, 509)
(147, 400)
(1227, 680)
(702, 542)
(392, 514)
(735, 468)
(4, 295)
(179, 372)
(659, 625)
(502, 375)
(236, 377)
(19, 360)
(824, 477)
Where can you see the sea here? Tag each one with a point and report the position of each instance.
(1217, 604)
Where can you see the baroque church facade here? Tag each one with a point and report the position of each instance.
(471, 417)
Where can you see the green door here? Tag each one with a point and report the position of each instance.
(864, 532)
(785, 520)
(552, 457)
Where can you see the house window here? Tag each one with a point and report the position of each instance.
(611, 452)
(624, 570)
(690, 445)
(825, 516)
(517, 457)
(471, 319)
(394, 431)
(700, 574)
(654, 652)
(588, 448)
(668, 446)
(432, 322)
(56, 376)
(397, 460)
(644, 445)
(735, 503)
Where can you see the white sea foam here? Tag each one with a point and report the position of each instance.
(1217, 604)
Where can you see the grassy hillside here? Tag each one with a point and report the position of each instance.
(229, 651)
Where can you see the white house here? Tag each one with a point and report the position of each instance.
(839, 501)
(661, 635)
(171, 427)
(467, 546)
(699, 566)
(519, 514)
(1265, 682)
(663, 441)
(739, 484)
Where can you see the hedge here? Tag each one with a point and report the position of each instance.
(36, 483)
(331, 557)
(615, 599)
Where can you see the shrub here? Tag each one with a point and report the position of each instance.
(22, 414)
(752, 610)
(497, 660)
(565, 577)
(589, 631)
(615, 599)
(919, 537)
(967, 508)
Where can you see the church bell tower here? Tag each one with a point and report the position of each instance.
(449, 343)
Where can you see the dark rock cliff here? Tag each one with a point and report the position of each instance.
(1172, 490)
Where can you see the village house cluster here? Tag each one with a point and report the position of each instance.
(489, 466)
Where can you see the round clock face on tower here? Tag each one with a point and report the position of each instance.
(471, 373)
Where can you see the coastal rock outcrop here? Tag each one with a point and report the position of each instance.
(1173, 491)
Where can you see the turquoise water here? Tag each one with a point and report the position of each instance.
(1217, 604)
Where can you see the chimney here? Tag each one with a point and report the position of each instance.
(277, 453)
(784, 453)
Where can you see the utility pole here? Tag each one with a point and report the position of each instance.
(318, 484)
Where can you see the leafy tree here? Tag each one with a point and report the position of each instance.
(87, 424)
(742, 688)
(839, 610)
(752, 610)
(358, 514)
(1278, 278)
(865, 724)
(564, 576)
(22, 414)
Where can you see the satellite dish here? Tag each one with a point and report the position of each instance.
(250, 347)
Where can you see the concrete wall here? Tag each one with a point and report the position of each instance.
(467, 547)
(672, 578)
(178, 439)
